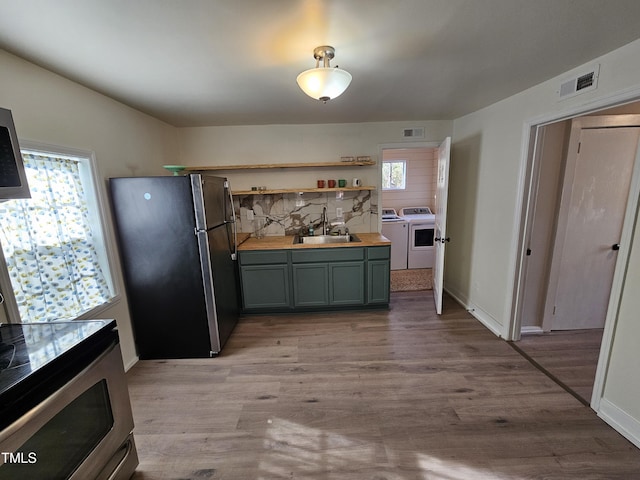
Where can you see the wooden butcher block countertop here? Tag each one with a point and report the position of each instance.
(246, 242)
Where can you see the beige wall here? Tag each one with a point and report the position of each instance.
(297, 143)
(273, 144)
(487, 172)
(50, 109)
(421, 173)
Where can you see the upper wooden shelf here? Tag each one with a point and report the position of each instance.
(300, 190)
(263, 166)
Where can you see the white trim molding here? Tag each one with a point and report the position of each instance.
(483, 317)
(620, 420)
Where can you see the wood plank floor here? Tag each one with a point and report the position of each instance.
(398, 394)
(570, 357)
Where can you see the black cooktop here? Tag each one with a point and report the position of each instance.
(34, 355)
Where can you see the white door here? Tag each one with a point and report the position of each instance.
(595, 213)
(440, 233)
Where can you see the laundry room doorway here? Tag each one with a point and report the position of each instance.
(408, 179)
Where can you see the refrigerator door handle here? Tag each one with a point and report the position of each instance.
(234, 253)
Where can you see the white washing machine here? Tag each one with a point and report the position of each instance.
(420, 248)
(396, 229)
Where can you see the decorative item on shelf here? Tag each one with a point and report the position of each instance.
(364, 159)
(324, 83)
(342, 183)
(347, 159)
(331, 183)
(176, 169)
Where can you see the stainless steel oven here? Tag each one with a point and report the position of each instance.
(80, 429)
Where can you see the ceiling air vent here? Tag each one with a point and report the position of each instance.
(413, 132)
(581, 83)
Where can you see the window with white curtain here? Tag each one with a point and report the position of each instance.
(53, 243)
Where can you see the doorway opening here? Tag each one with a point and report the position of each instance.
(408, 180)
(577, 209)
(424, 225)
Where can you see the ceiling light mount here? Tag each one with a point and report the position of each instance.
(324, 53)
(323, 82)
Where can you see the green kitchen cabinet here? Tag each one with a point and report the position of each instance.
(328, 277)
(310, 285)
(314, 278)
(378, 281)
(378, 274)
(265, 280)
(346, 283)
(333, 284)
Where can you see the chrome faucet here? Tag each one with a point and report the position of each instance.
(324, 220)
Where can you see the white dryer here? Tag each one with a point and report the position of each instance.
(420, 247)
(396, 229)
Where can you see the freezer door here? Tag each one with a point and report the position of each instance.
(154, 221)
(211, 201)
(221, 287)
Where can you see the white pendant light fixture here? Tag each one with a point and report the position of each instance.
(324, 83)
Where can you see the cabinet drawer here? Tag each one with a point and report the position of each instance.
(263, 257)
(379, 253)
(327, 255)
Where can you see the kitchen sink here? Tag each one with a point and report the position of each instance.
(322, 239)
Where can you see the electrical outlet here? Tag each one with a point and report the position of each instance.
(339, 212)
(249, 214)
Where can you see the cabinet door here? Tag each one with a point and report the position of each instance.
(265, 286)
(346, 285)
(310, 285)
(378, 281)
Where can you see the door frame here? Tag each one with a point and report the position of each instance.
(527, 181)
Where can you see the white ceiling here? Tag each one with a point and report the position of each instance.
(234, 62)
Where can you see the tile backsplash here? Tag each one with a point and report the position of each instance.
(289, 213)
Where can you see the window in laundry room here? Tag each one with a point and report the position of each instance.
(394, 174)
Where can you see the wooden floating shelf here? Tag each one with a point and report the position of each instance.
(262, 166)
(300, 190)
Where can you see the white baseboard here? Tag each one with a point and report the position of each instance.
(621, 421)
(487, 320)
(531, 330)
(483, 317)
(131, 363)
(457, 296)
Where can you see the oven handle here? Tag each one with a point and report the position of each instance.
(128, 446)
(442, 240)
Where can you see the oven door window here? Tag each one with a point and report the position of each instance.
(423, 237)
(60, 446)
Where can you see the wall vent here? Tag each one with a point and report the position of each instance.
(583, 82)
(413, 132)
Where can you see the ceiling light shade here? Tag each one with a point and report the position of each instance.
(324, 83)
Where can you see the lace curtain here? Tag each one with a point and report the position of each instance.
(48, 245)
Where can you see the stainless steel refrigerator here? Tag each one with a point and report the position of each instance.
(177, 239)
